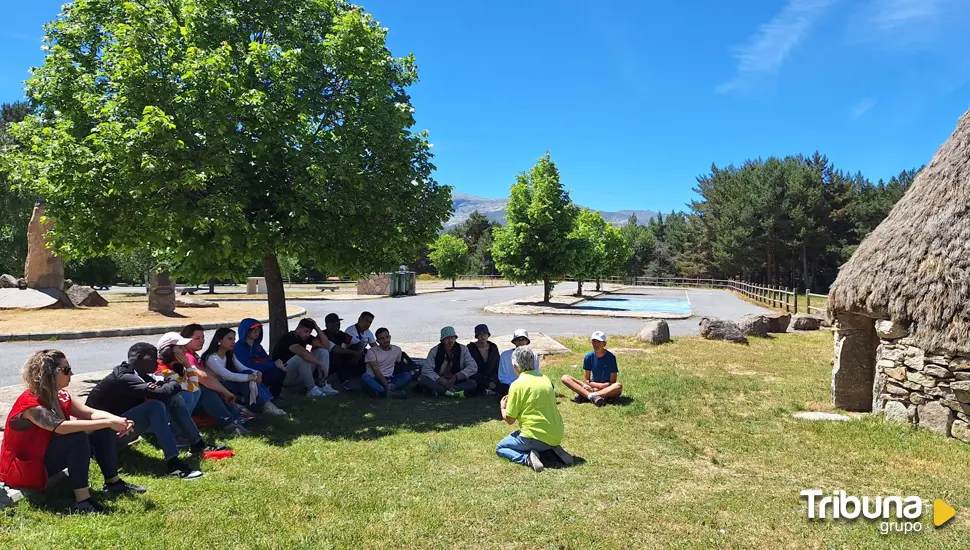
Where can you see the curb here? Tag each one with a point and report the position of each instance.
(116, 332)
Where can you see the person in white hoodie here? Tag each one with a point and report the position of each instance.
(247, 384)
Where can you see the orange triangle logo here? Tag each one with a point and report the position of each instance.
(942, 512)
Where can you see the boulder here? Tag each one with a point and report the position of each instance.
(14, 298)
(754, 324)
(8, 281)
(804, 321)
(194, 302)
(656, 332)
(890, 330)
(722, 329)
(43, 269)
(935, 417)
(897, 412)
(778, 322)
(85, 296)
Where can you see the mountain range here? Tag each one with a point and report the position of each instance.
(494, 209)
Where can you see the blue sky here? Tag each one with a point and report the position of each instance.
(635, 99)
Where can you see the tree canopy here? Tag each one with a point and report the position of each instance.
(220, 134)
(449, 255)
(536, 244)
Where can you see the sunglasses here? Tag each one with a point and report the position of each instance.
(66, 370)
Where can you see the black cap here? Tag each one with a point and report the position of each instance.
(331, 317)
(482, 329)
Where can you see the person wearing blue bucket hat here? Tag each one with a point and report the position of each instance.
(449, 368)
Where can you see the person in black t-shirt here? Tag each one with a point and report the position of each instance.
(346, 356)
(301, 364)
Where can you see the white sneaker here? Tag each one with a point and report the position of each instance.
(315, 392)
(271, 409)
(329, 390)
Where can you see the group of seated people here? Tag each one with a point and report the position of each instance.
(160, 390)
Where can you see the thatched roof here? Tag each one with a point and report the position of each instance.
(915, 267)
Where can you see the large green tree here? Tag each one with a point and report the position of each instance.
(536, 244)
(231, 131)
(449, 256)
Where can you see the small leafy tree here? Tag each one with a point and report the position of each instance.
(589, 251)
(449, 255)
(536, 243)
(221, 134)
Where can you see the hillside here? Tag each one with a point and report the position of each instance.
(494, 209)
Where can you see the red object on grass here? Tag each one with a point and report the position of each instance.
(217, 455)
(204, 421)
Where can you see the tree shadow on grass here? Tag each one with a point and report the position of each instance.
(358, 417)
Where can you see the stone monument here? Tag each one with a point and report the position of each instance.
(43, 270)
(161, 292)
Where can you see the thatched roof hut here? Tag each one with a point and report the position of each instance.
(915, 267)
(913, 274)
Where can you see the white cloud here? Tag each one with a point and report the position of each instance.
(861, 108)
(904, 24)
(767, 49)
(890, 15)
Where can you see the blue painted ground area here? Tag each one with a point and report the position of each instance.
(653, 305)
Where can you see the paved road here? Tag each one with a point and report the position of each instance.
(413, 319)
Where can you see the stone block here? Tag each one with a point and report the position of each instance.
(960, 364)
(891, 330)
(894, 389)
(85, 296)
(897, 412)
(921, 379)
(804, 321)
(854, 369)
(918, 398)
(961, 390)
(960, 430)
(161, 293)
(896, 373)
(778, 322)
(193, 302)
(891, 353)
(43, 269)
(937, 371)
(934, 416)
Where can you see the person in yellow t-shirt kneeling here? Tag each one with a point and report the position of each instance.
(532, 403)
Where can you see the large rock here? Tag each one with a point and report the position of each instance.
(86, 296)
(778, 322)
(43, 269)
(804, 321)
(754, 324)
(161, 293)
(14, 298)
(194, 302)
(935, 417)
(722, 329)
(961, 390)
(897, 412)
(656, 332)
(8, 281)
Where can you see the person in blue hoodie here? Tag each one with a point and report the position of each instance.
(249, 351)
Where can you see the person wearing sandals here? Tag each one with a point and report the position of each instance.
(449, 368)
(532, 403)
(506, 371)
(599, 384)
(40, 437)
(486, 357)
(245, 384)
(154, 407)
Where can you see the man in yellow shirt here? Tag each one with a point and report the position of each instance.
(532, 403)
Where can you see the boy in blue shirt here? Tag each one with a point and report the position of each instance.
(599, 375)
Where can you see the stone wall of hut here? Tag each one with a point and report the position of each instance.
(914, 386)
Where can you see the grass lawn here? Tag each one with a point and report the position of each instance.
(703, 454)
(124, 315)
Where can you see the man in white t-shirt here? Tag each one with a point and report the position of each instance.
(361, 329)
(506, 372)
(380, 380)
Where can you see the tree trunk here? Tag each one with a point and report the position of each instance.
(452, 282)
(598, 287)
(212, 286)
(278, 323)
(546, 291)
(805, 264)
(579, 287)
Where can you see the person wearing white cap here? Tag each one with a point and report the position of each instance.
(449, 368)
(599, 375)
(506, 371)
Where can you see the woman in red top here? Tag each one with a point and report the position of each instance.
(40, 438)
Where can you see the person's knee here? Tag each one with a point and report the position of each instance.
(566, 379)
(619, 387)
